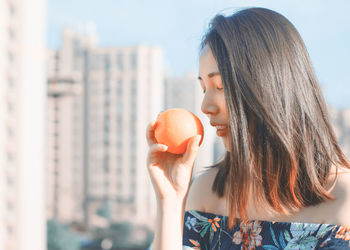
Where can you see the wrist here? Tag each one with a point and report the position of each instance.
(171, 204)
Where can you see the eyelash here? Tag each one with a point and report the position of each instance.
(216, 88)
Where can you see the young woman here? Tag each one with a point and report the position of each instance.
(284, 182)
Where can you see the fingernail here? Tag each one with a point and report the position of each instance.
(165, 147)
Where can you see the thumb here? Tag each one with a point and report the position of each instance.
(192, 149)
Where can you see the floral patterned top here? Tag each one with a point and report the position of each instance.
(204, 231)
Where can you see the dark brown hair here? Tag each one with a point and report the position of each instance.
(282, 142)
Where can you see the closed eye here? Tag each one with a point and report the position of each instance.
(216, 88)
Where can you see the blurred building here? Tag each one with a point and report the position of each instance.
(65, 143)
(106, 99)
(186, 92)
(22, 124)
(340, 119)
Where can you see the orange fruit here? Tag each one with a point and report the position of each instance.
(174, 128)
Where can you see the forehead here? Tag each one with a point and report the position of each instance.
(207, 62)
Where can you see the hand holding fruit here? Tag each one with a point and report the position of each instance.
(171, 172)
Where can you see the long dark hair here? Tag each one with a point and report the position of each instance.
(282, 141)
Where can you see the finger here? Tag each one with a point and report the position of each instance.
(151, 140)
(192, 149)
(155, 148)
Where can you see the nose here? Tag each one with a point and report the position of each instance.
(209, 105)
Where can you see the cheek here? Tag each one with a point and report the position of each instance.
(224, 108)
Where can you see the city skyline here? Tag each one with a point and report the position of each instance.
(178, 27)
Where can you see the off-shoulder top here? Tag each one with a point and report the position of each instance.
(206, 231)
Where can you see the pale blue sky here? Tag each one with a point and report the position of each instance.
(177, 26)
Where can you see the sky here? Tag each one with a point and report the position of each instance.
(178, 25)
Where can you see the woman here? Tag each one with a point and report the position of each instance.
(284, 182)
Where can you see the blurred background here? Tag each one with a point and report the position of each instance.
(80, 81)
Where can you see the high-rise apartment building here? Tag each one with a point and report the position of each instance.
(22, 124)
(65, 144)
(120, 91)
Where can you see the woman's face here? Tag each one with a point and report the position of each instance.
(213, 104)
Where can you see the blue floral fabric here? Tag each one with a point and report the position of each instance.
(204, 231)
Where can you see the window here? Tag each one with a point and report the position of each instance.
(133, 187)
(12, 9)
(9, 206)
(107, 103)
(11, 57)
(10, 107)
(119, 88)
(133, 88)
(10, 156)
(119, 163)
(120, 63)
(133, 100)
(10, 132)
(106, 161)
(106, 118)
(133, 61)
(131, 199)
(107, 89)
(119, 144)
(9, 229)
(107, 62)
(133, 142)
(9, 180)
(119, 170)
(11, 83)
(119, 106)
(11, 33)
(106, 127)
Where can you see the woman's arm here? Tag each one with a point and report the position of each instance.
(170, 176)
(169, 225)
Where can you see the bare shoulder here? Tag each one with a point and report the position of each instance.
(338, 210)
(200, 190)
(342, 191)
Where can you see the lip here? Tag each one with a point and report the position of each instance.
(218, 125)
(221, 129)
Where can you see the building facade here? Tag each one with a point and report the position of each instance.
(65, 142)
(120, 92)
(22, 124)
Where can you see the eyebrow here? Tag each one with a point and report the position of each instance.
(210, 75)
